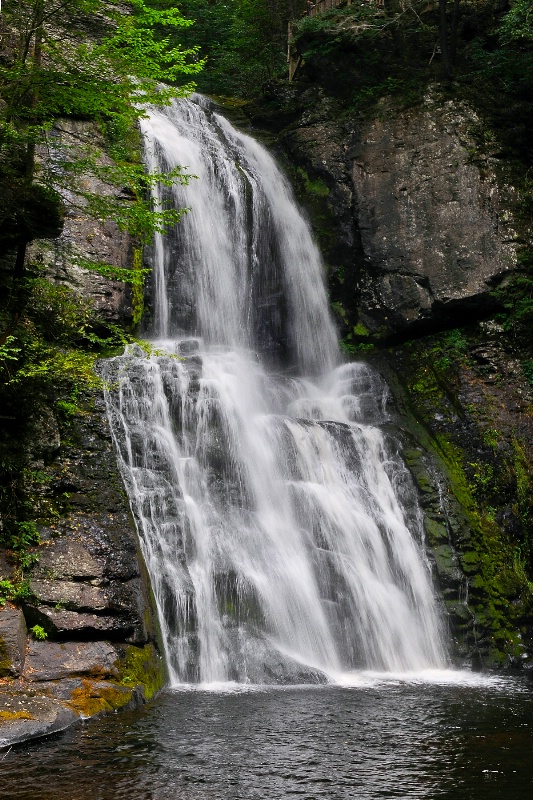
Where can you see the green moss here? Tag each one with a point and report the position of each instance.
(142, 666)
(480, 483)
(91, 699)
(313, 194)
(138, 285)
(470, 562)
(488, 560)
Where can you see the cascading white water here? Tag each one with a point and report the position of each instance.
(280, 531)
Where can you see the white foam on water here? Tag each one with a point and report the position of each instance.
(432, 677)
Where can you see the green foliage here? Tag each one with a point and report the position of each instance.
(15, 592)
(88, 59)
(53, 347)
(517, 24)
(38, 633)
(245, 42)
(104, 69)
(8, 351)
(26, 536)
(362, 52)
(482, 51)
(20, 537)
(68, 408)
(141, 217)
(6, 590)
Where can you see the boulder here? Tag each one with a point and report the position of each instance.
(71, 595)
(67, 560)
(61, 624)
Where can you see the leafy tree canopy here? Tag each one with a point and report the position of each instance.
(88, 59)
(245, 41)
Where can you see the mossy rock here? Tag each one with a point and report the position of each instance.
(142, 666)
(92, 699)
(8, 716)
(436, 532)
(445, 558)
(459, 611)
(470, 562)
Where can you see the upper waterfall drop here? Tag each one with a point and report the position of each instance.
(242, 268)
(280, 530)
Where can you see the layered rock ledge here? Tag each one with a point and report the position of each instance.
(87, 591)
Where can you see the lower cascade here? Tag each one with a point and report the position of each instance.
(279, 526)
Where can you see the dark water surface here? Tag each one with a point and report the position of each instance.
(382, 740)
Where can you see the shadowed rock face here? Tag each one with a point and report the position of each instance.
(436, 237)
(87, 581)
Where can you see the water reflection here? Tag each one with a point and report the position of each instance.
(391, 740)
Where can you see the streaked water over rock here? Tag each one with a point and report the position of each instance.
(279, 525)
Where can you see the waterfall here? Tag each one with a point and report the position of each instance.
(279, 526)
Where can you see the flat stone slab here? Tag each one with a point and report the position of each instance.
(66, 560)
(24, 716)
(73, 624)
(50, 661)
(73, 595)
(12, 642)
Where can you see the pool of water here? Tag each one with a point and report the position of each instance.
(373, 738)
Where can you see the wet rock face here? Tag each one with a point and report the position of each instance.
(465, 407)
(435, 234)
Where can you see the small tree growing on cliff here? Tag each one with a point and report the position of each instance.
(88, 59)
